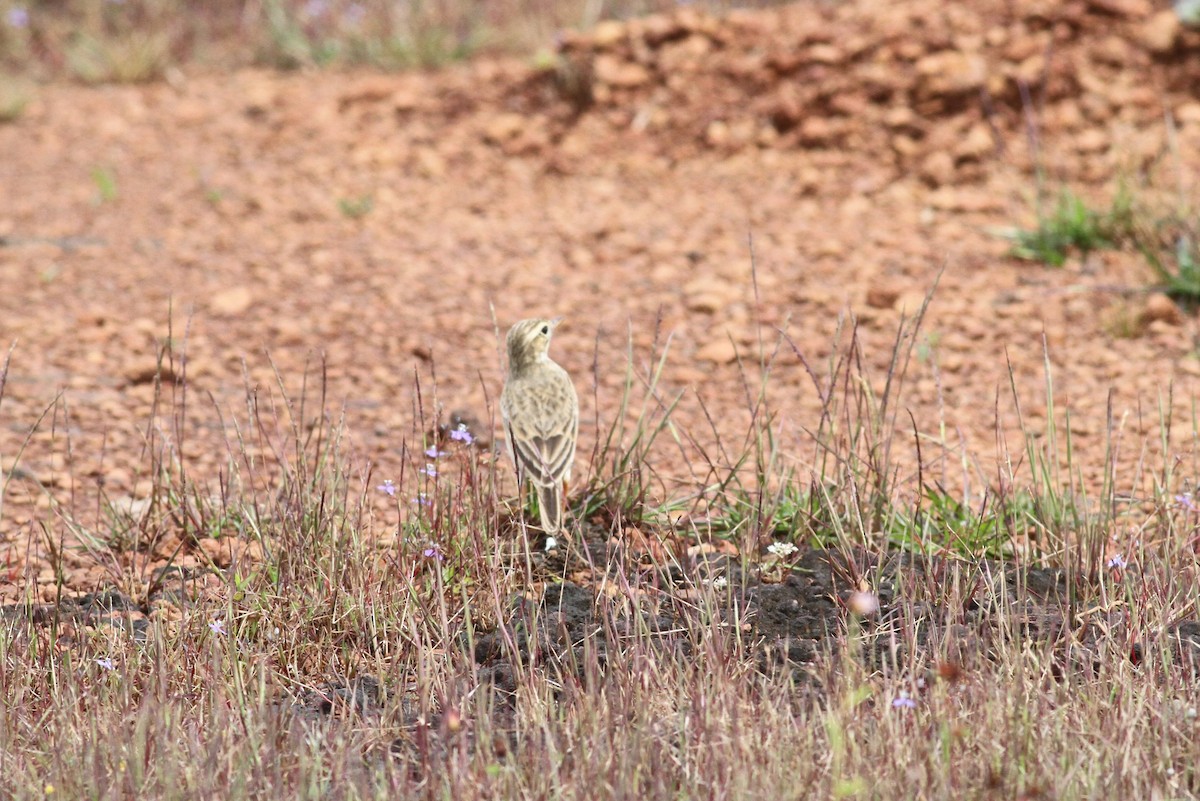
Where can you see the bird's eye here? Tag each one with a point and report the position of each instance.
(546, 329)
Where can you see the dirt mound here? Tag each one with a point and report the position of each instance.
(920, 86)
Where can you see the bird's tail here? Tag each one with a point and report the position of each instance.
(550, 506)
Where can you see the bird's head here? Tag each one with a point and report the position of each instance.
(529, 340)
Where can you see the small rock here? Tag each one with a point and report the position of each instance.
(231, 302)
(788, 107)
(949, 199)
(218, 551)
(1031, 69)
(977, 144)
(707, 295)
(693, 376)
(659, 28)
(1160, 308)
(608, 33)
(1188, 113)
(1114, 50)
(1092, 140)
(826, 54)
(705, 303)
(950, 72)
(616, 71)
(904, 145)
(258, 96)
(683, 55)
(374, 89)
(289, 331)
(503, 127)
(818, 131)
(1160, 33)
(144, 371)
(717, 133)
(718, 351)
(882, 296)
(910, 302)
(831, 247)
(938, 168)
(1122, 8)
(900, 117)
(430, 163)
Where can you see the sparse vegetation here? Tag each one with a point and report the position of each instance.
(1072, 227)
(126, 57)
(15, 94)
(106, 184)
(307, 659)
(356, 207)
(1168, 241)
(137, 40)
(1179, 268)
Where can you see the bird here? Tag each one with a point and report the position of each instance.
(540, 411)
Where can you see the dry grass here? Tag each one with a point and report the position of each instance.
(448, 663)
(139, 40)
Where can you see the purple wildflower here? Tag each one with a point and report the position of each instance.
(1187, 501)
(388, 486)
(429, 470)
(422, 499)
(217, 626)
(461, 434)
(903, 701)
(17, 17)
(433, 552)
(106, 663)
(433, 453)
(1117, 562)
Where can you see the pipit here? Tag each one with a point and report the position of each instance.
(541, 417)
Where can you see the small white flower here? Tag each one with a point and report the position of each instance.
(718, 582)
(781, 549)
(106, 663)
(551, 543)
(1117, 562)
(217, 626)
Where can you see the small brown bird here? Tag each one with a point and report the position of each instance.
(541, 417)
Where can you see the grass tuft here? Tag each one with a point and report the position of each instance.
(1071, 227)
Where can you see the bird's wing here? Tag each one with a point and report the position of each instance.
(543, 457)
(542, 450)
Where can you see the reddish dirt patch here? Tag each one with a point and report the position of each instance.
(862, 151)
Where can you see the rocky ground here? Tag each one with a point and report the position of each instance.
(714, 180)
